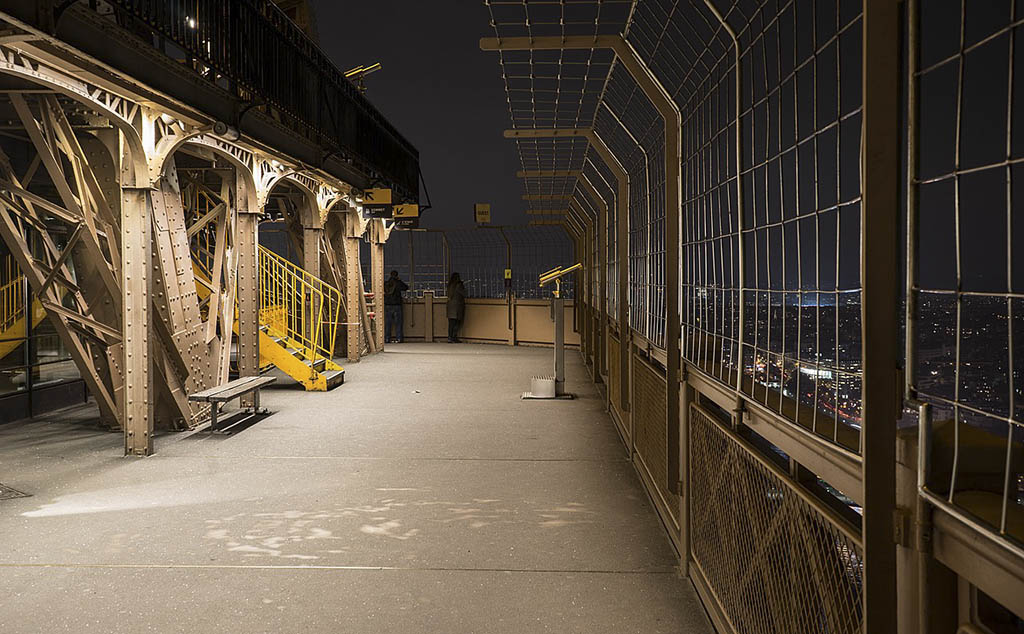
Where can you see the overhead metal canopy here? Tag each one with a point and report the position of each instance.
(555, 88)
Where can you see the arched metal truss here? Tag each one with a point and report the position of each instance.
(95, 209)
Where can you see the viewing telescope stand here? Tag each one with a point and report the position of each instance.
(552, 387)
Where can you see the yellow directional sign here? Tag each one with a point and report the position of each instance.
(377, 196)
(377, 203)
(407, 211)
(482, 211)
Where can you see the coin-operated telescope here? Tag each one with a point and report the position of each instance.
(551, 387)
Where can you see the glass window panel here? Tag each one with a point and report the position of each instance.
(12, 380)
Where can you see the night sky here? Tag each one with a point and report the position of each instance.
(444, 94)
(448, 98)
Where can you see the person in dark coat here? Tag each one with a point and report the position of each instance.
(393, 317)
(456, 307)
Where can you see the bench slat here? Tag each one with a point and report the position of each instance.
(213, 391)
(238, 390)
(232, 389)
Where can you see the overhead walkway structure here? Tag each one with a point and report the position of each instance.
(730, 174)
(120, 109)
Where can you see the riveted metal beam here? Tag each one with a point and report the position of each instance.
(136, 256)
(246, 242)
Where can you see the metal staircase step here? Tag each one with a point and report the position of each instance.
(317, 365)
(334, 378)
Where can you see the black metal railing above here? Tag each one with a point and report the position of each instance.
(267, 60)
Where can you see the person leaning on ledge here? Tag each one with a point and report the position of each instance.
(456, 307)
(393, 316)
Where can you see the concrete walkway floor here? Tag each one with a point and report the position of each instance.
(421, 496)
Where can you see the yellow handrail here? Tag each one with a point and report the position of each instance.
(294, 304)
(12, 298)
(199, 202)
(298, 305)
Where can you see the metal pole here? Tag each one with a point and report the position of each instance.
(662, 100)
(740, 249)
(26, 357)
(622, 246)
(559, 308)
(600, 352)
(880, 187)
(910, 315)
(412, 276)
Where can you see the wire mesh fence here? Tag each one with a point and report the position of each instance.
(778, 245)
(425, 259)
(965, 282)
(601, 179)
(771, 108)
(778, 559)
(637, 137)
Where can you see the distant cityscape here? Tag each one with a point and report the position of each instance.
(809, 350)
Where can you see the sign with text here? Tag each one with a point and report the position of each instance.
(407, 216)
(482, 212)
(377, 203)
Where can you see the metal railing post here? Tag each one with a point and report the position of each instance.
(600, 351)
(880, 186)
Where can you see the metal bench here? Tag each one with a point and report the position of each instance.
(232, 390)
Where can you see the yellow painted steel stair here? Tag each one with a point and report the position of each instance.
(299, 312)
(12, 317)
(299, 316)
(285, 342)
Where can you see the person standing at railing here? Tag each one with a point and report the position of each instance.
(456, 307)
(393, 316)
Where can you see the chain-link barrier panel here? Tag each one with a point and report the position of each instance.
(774, 558)
(614, 373)
(651, 429)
